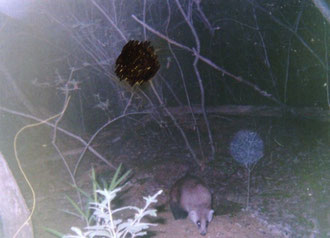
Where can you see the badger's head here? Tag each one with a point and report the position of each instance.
(201, 218)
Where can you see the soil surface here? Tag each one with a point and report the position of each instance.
(225, 226)
(289, 185)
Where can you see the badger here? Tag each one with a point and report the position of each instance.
(189, 196)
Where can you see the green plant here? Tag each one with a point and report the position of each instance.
(84, 211)
(108, 226)
(101, 219)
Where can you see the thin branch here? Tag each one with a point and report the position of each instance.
(177, 125)
(170, 89)
(109, 19)
(266, 58)
(288, 57)
(114, 11)
(98, 131)
(178, 64)
(129, 102)
(241, 80)
(326, 56)
(199, 79)
(18, 92)
(204, 18)
(288, 28)
(200, 82)
(189, 23)
(173, 42)
(144, 19)
(55, 136)
(79, 41)
(210, 63)
(68, 133)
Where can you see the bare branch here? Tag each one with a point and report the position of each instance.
(68, 133)
(209, 62)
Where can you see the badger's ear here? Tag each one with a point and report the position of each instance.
(210, 215)
(193, 216)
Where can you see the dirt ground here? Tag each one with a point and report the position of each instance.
(241, 225)
(286, 200)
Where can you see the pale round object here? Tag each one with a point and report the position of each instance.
(247, 147)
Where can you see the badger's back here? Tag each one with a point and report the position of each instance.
(187, 194)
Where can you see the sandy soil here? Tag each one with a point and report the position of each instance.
(241, 225)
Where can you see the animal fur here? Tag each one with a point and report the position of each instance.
(189, 196)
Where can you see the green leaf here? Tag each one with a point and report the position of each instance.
(76, 206)
(53, 232)
(115, 181)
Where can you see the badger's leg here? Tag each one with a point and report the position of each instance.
(177, 211)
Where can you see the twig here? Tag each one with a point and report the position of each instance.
(209, 62)
(18, 92)
(288, 58)
(173, 42)
(327, 63)
(200, 82)
(55, 136)
(129, 102)
(288, 28)
(68, 133)
(248, 189)
(204, 18)
(177, 62)
(97, 132)
(144, 19)
(170, 89)
(110, 20)
(177, 125)
(266, 58)
(199, 79)
(20, 166)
